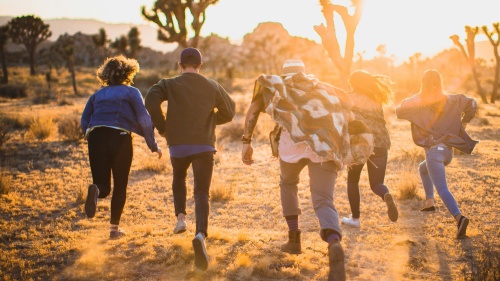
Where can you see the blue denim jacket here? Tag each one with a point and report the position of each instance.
(119, 106)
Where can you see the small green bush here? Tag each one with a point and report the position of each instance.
(13, 91)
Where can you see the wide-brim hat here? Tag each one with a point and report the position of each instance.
(293, 66)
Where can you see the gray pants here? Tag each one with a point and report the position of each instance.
(322, 183)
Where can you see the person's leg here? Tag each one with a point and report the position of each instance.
(203, 164)
(100, 166)
(289, 179)
(437, 158)
(322, 183)
(353, 175)
(179, 174)
(377, 165)
(322, 178)
(428, 185)
(122, 154)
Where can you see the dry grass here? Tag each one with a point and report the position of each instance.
(44, 234)
(69, 128)
(41, 127)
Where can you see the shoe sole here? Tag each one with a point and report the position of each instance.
(462, 228)
(392, 210)
(180, 230)
(200, 254)
(91, 202)
(116, 235)
(336, 262)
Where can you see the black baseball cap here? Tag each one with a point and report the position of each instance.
(191, 56)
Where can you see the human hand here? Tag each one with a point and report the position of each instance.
(160, 154)
(246, 154)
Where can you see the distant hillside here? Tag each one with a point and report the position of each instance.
(88, 26)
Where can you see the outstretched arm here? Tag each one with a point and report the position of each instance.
(250, 122)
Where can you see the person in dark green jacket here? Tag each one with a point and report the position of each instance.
(195, 105)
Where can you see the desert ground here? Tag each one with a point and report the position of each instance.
(45, 235)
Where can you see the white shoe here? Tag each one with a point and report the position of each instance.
(200, 252)
(180, 227)
(351, 222)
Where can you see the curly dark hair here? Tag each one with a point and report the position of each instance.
(117, 70)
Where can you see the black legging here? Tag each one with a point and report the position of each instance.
(376, 174)
(110, 150)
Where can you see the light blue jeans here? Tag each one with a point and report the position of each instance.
(432, 173)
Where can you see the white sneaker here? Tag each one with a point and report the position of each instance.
(351, 222)
(180, 227)
(200, 252)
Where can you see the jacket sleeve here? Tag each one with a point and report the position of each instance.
(144, 120)
(225, 106)
(408, 108)
(87, 114)
(156, 95)
(469, 108)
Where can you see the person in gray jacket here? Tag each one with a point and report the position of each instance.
(196, 104)
(438, 121)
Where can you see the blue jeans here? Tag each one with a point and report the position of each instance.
(322, 177)
(432, 173)
(203, 164)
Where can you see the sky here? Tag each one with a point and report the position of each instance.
(405, 27)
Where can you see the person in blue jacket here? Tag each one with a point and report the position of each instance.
(110, 117)
(438, 121)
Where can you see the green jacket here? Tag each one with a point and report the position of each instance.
(195, 105)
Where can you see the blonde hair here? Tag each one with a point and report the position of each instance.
(117, 70)
(431, 91)
(376, 87)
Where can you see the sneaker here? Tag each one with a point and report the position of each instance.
(392, 210)
(180, 227)
(116, 233)
(462, 227)
(336, 262)
(91, 202)
(200, 252)
(428, 210)
(351, 222)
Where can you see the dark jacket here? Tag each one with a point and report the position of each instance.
(196, 104)
(429, 128)
(119, 106)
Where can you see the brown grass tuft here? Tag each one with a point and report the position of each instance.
(41, 127)
(69, 129)
(408, 185)
(220, 192)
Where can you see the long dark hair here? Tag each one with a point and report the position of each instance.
(376, 87)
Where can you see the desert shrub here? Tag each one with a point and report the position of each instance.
(80, 196)
(4, 133)
(144, 81)
(5, 182)
(231, 131)
(14, 122)
(220, 192)
(13, 91)
(41, 127)
(69, 129)
(408, 185)
(42, 96)
(411, 156)
(155, 165)
(484, 264)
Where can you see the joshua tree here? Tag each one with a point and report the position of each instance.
(134, 42)
(4, 37)
(65, 47)
(29, 31)
(470, 55)
(101, 42)
(120, 44)
(496, 30)
(173, 28)
(328, 34)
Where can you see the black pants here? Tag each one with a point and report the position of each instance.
(376, 174)
(111, 151)
(203, 164)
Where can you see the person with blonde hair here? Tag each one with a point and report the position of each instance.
(369, 94)
(438, 121)
(110, 117)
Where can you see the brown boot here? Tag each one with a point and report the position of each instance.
(336, 262)
(293, 245)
